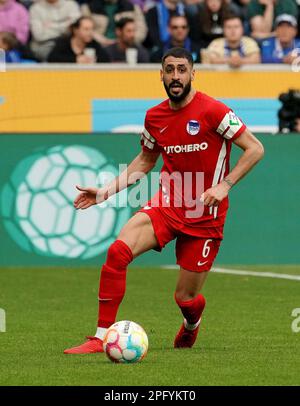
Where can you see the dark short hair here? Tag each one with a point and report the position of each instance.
(177, 16)
(178, 52)
(9, 39)
(78, 22)
(120, 24)
(231, 16)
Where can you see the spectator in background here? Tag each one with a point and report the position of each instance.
(106, 13)
(234, 49)
(284, 47)
(191, 7)
(157, 18)
(15, 52)
(262, 14)
(144, 4)
(207, 24)
(241, 9)
(179, 37)
(14, 18)
(79, 47)
(9, 43)
(241, 6)
(125, 33)
(49, 19)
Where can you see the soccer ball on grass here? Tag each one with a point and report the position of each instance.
(125, 342)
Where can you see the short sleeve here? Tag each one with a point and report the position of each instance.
(148, 142)
(225, 122)
(250, 46)
(217, 47)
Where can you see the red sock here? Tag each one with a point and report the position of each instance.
(113, 282)
(192, 309)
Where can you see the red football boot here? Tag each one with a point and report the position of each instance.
(186, 338)
(91, 346)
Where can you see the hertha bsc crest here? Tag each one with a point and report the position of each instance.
(193, 127)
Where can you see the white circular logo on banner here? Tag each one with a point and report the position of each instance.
(39, 213)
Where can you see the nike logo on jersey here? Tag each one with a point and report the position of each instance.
(201, 263)
(163, 129)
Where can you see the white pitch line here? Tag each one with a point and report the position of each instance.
(248, 273)
(257, 273)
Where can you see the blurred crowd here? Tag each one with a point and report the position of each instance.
(233, 32)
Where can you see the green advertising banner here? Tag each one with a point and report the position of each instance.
(39, 225)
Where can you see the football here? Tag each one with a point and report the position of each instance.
(125, 342)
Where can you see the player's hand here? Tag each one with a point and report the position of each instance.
(89, 196)
(214, 195)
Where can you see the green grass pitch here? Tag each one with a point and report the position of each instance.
(245, 339)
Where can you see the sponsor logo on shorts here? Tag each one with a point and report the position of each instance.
(177, 149)
(201, 263)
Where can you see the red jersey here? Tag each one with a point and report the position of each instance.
(195, 143)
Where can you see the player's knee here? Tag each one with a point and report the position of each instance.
(119, 255)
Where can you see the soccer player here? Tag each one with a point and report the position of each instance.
(193, 133)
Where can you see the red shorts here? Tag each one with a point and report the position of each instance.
(193, 253)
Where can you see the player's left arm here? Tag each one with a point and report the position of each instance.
(253, 153)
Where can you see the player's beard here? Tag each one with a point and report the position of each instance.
(181, 96)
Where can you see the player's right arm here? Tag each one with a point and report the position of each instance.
(143, 163)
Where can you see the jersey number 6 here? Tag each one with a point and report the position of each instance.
(206, 249)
